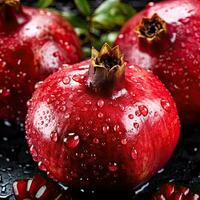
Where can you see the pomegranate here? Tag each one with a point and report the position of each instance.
(165, 38)
(33, 44)
(102, 123)
(38, 188)
(170, 191)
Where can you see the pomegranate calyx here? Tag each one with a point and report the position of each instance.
(106, 67)
(11, 3)
(151, 29)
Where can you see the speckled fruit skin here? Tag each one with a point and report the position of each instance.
(177, 60)
(29, 52)
(95, 141)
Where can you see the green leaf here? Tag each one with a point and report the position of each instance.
(83, 6)
(44, 3)
(109, 38)
(111, 13)
(87, 52)
(74, 19)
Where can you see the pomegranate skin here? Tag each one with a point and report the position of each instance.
(90, 140)
(176, 61)
(31, 49)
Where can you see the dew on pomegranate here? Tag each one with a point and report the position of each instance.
(130, 116)
(54, 136)
(100, 115)
(33, 151)
(165, 104)
(124, 141)
(134, 153)
(136, 125)
(113, 166)
(105, 128)
(42, 166)
(143, 110)
(72, 140)
(100, 103)
(66, 80)
(95, 140)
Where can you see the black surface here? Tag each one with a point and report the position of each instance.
(15, 161)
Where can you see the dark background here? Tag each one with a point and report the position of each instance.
(15, 161)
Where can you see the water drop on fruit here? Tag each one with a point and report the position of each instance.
(33, 151)
(105, 128)
(78, 78)
(123, 141)
(143, 110)
(165, 104)
(72, 140)
(96, 140)
(54, 136)
(5, 92)
(42, 166)
(66, 80)
(112, 166)
(37, 85)
(133, 153)
(100, 115)
(130, 116)
(136, 125)
(100, 103)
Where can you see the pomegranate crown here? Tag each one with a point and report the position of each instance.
(106, 67)
(151, 29)
(11, 3)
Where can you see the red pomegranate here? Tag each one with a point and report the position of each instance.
(33, 44)
(165, 37)
(102, 123)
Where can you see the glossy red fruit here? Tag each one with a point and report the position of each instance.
(165, 37)
(33, 44)
(38, 188)
(172, 192)
(102, 123)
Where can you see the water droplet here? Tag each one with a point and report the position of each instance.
(137, 113)
(33, 152)
(42, 166)
(5, 92)
(124, 141)
(38, 84)
(54, 136)
(100, 103)
(116, 128)
(100, 115)
(136, 125)
(143, 110)
(165, 104)
(121, 36)
(133, 153)
(113, 167)
(72, 140)
(78, 78)
(96, 140)
(66, 80)
(105, 128)
(130, 116)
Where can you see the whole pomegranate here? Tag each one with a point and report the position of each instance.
(165, 37)
(33, 44)
(102, 123)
